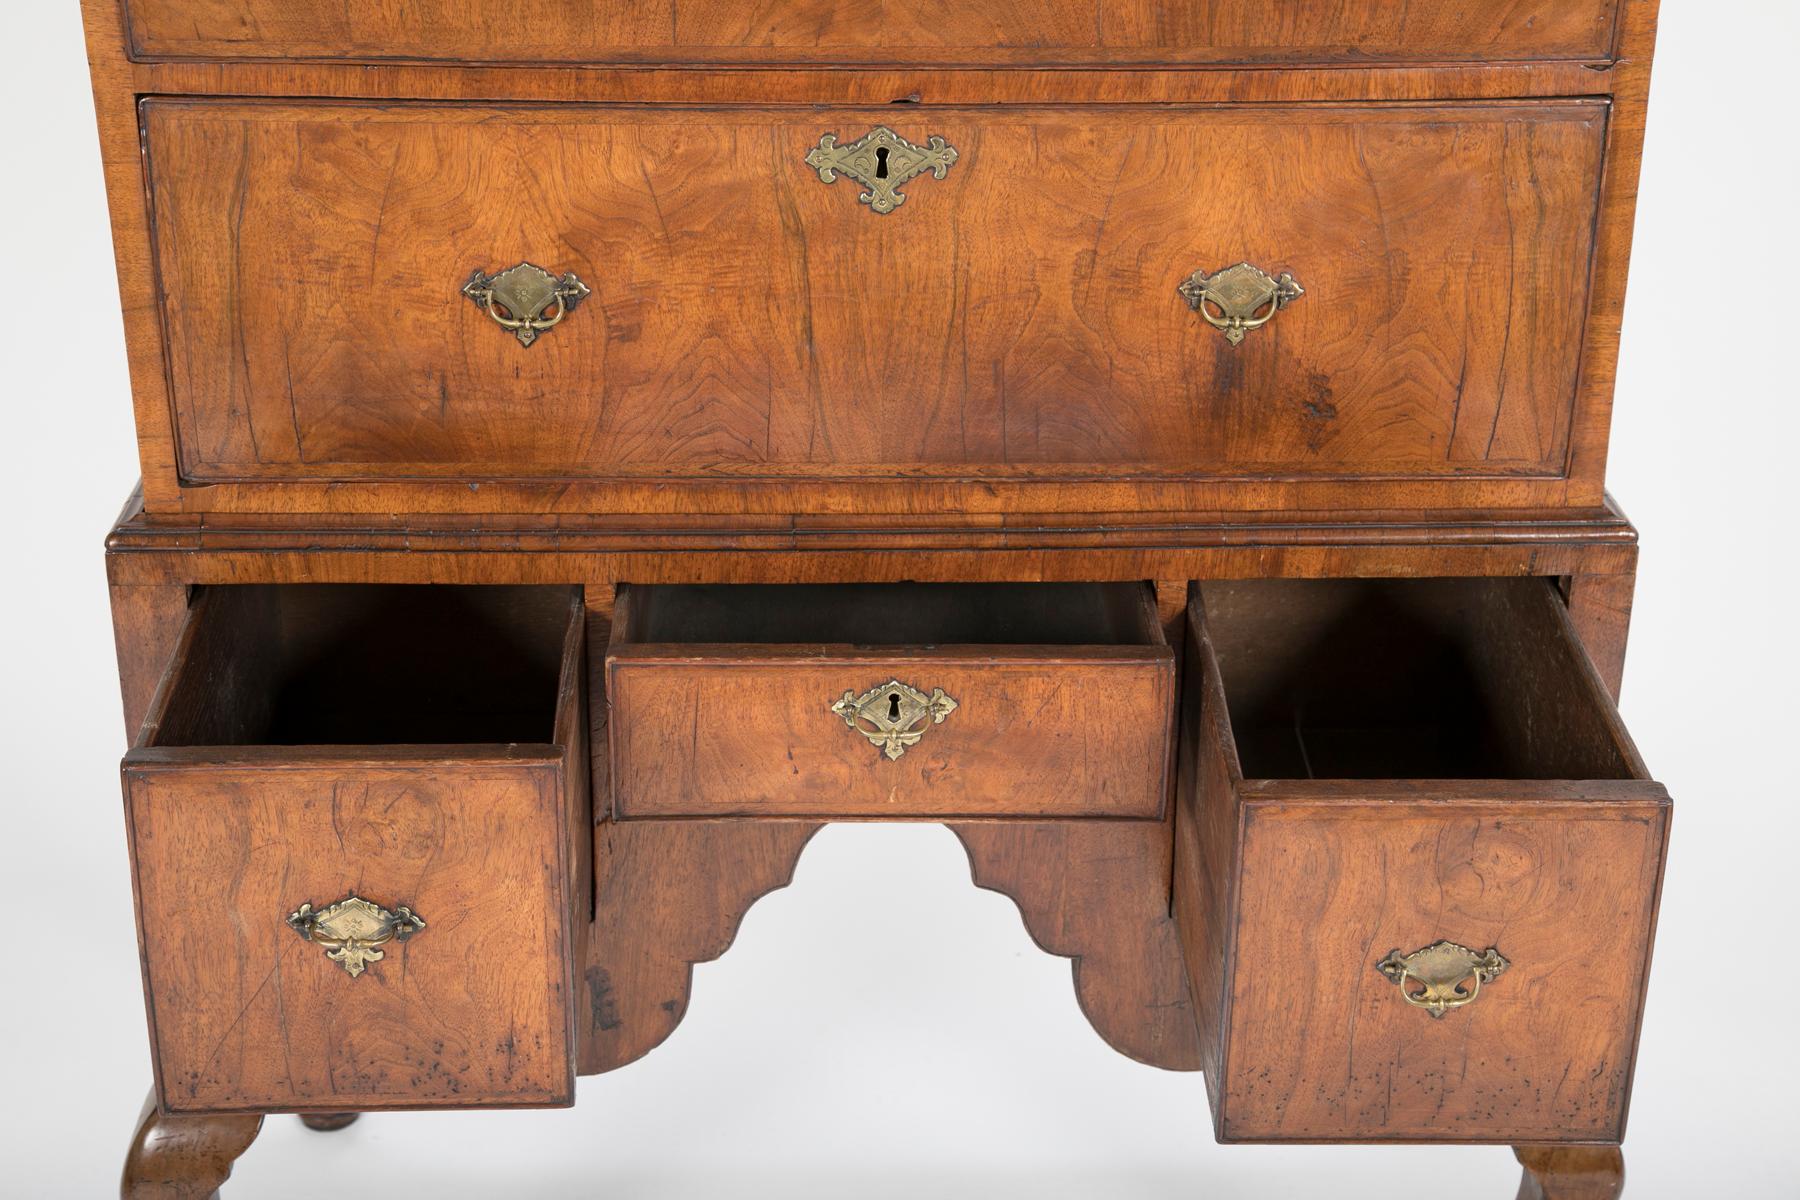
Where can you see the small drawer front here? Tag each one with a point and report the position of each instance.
(1540, 1051)
(843, 730)
(927, 33)
(249, 1013)
(328, 925)
(1424, 861)
(1360, 295)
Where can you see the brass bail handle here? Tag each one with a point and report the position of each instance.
(1448, 975)
(353, 930)
(525, 300)
(1239, 299)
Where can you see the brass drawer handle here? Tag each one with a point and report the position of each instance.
(1239, 299)
(881, 160)
(525, 300)
(893, 716)
(1442, 970)
(353, 928)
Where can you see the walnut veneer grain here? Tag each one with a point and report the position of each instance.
(1416, 762)
(1618, 75)
(722, 701)
(311, 257)
(829, 31)
(246, 799)
(995, 387)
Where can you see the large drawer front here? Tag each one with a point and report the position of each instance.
(1415, 829)
(1022, 700)
(329, 926)
(1016, 322)
(828, 31)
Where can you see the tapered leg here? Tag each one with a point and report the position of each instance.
(328, 1122)
(184, 1158)
(1571, 1172)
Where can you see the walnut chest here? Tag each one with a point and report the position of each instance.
(588, 446)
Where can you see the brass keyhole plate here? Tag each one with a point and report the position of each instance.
(895, 715)
(881, 160)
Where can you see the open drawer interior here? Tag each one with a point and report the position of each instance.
(1419, 679)
(366, 664)
(377, 795)
(1410, 817)
(896, 614)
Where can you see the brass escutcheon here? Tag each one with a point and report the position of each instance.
(881, 160)
(1239, 299)
(525, 300)
(1442, 970)
(353, 928)
(893, 716)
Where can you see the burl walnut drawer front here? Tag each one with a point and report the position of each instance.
(357, 819)
(1425, 840)
(925, 32)
(890, 700)
(1116, 303)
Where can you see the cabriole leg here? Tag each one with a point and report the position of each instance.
(184, 1158)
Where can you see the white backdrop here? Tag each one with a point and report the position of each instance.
(883, 1029)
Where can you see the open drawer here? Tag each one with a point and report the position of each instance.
(890, 700)
(1412, 825)
(357, 819)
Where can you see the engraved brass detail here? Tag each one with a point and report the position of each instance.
(893, 716)
(881, 160)
(1449, 976)
(1239, 299)
(525, 300)
(352, 929)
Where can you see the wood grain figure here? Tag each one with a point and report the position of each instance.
(1478, 790)
(1015, 364)
(1061, 702)
(824, 31)
(244, 805)
(1171, 452)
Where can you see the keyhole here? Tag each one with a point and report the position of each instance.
(881, 153)
(894, 699)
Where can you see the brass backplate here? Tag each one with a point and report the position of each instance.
(1449, 975)
(1239, 299)
(894, 715)
(881, 160)
(525, 300)
(352, 930)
